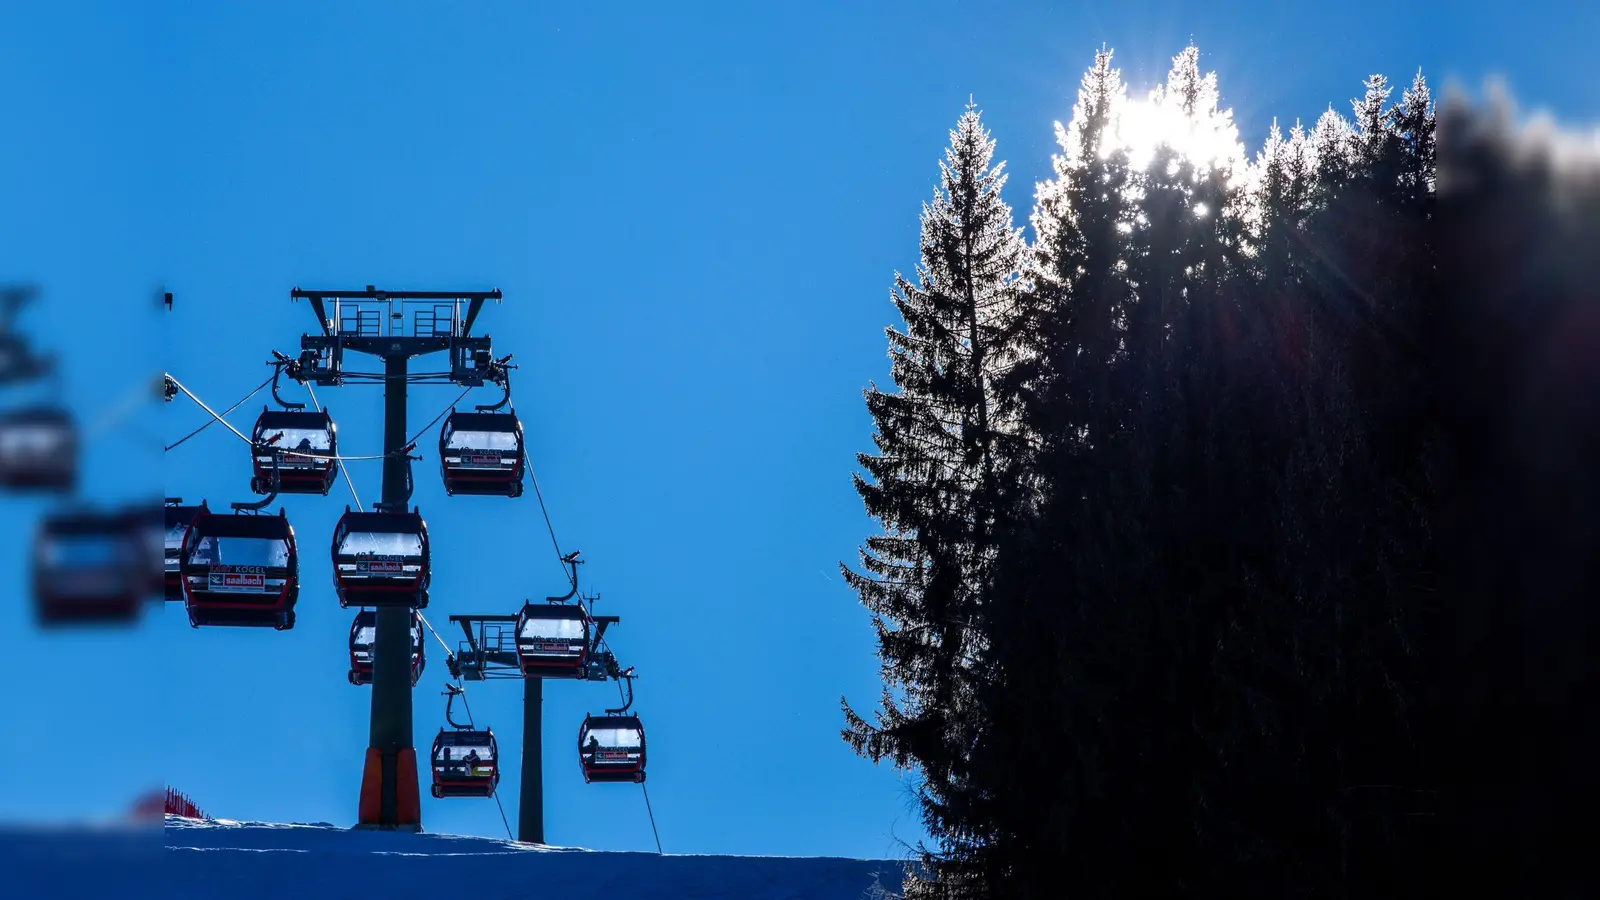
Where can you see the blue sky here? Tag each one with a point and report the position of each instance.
(694, 211)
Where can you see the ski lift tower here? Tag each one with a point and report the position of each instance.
(393, 326)
(490, 653)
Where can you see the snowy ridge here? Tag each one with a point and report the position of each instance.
(196, 859)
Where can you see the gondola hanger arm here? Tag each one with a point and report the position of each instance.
(451, 692)
(627, 700)
(273, 487)
(279, 363)
(500, 375)
(573, 562)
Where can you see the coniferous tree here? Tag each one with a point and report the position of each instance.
(1075, 336)
(1191, 639)
(1350, 532)
(1081, 294)
(944, 438)
(1519, 257)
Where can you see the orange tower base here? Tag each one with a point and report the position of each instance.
(407, 801)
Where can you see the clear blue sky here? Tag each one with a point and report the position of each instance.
(694, 211)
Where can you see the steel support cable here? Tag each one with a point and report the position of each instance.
(308, 454)
(114, 416)
(620, 695)
(468, 707)
(447, 650)
(224, 412)
(201, 403)
(461, 692)
(652, 813)
(341, 459)
(496, 764)
(647, 808)
(442, 414)
(502, 809)
(312, 454)
(561, 560)
(342, 470)
(410, 377)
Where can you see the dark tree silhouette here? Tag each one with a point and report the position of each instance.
(944, 438)
(1286, 589)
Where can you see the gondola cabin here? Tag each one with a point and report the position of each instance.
(552, 639)
(240, 569)
(178, 518)
(311, 470)
(611, 749)
(481, 453)
(38, 450)
(87, 569)
(364, 636)
(381, 559)
(146, 520)
(466, 763)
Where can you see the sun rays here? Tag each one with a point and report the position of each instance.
(1205, 138)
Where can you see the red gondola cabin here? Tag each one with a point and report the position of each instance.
(481, 453)
(290, 431)
(38, 450)
(240, 569)
(466, 763)
(87, 569)
(381, 559)
(146, 521)
(552, 639)
(178, 518)
(611, 749)
(364, 636)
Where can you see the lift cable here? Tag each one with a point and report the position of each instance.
(447, 650)
(503, 815)
(652, 813)
(307, 454)
(224, 412)
(461, 691)
(117, 413)
(528, 465)
(410, 377)
(342, 470)
(442, 414)
(642, 787)
(201, 403)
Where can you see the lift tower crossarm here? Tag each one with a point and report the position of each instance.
(474, 301)
(602, 622)
(466, 621)
(477, 659)
(372, 293)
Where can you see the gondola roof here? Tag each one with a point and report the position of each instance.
(242, 525)
(384, 522)
(482, 421)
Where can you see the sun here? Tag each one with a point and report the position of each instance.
(1208, 141)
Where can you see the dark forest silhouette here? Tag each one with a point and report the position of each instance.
(1238, 522)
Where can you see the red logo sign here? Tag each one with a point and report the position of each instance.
(237, 581)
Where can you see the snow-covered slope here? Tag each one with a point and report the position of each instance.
(245, 861)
